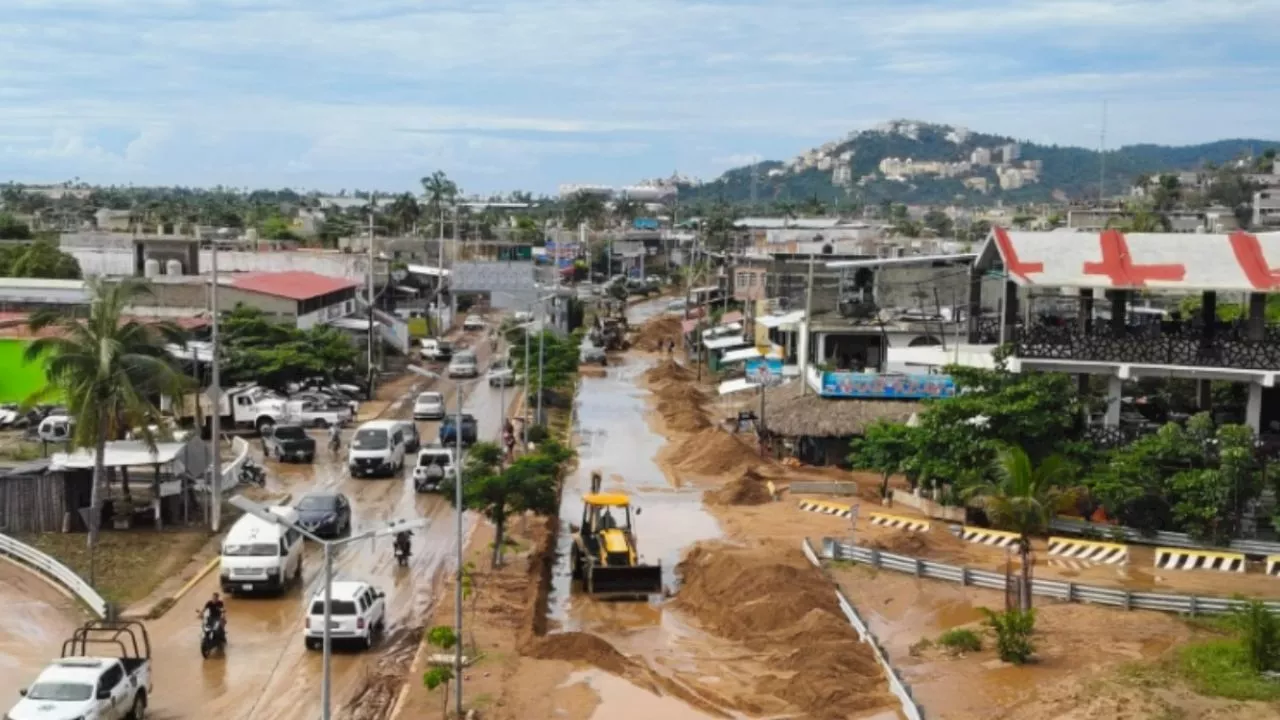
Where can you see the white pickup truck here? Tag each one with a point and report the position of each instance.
(113, 686)
(256, 407)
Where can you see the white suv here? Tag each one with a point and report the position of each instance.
(359, 613)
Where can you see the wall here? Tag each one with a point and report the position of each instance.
(18, 379)
(511, 285)
(112, 254)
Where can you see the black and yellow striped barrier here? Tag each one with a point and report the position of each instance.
(987, 536)
(826, 508)
(1183, 559)
(898, 522)
(1106, 553)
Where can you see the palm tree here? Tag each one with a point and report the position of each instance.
(626, 210)
(109, 369)
(1021, 500)
(440, 190)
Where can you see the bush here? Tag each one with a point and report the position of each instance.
(1260, 636)
(538, 433)
(1013, 630)
(960, 640)
(1223, 668)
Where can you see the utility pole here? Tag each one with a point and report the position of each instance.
(457, 584)
(808, 310)
(1102, 158)
(215, 428)
(440, 276)
(370, 291)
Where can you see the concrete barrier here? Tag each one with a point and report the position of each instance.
(1186, 559)
(826, 508)
(987, 536)
(1104, 553)
(898, 522)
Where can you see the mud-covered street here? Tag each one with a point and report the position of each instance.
(266, 671)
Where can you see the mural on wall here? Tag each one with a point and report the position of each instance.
(764, 371)
(886, 387)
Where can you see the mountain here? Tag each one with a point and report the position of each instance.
(951, 164)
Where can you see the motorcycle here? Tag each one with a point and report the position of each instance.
(213, 636)
(252, 474)
(402, 552)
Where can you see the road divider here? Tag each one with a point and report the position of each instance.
(987, 536)
(1184, 559)
(823, 507)
(898, 522)
(1104, 553)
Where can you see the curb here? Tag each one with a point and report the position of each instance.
(208, 568)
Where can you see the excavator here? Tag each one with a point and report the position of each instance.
(604, 549)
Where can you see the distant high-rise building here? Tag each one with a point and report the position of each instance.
(981, 156)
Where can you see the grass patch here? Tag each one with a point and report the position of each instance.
(24, 451)
(130, 563)
(1221, 667)
(959, 640)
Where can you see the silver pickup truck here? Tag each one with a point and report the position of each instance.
(115, 685)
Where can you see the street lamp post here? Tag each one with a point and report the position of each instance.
(263, 513)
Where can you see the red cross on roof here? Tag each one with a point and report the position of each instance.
(1117, 264)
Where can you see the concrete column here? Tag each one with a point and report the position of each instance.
(974, 305)
(1204, 394)
(1115, 387)
(1084, 311)
(1119, 305)
(1253, 410)
(1010, 319)
(1208, 316)
(822, 348)
(1256, 323)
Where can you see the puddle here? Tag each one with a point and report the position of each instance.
(616, 440)
(620, 700)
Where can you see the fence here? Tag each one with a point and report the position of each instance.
(56, 571)
(1165, 539)
(1056, 589)
(903, 692)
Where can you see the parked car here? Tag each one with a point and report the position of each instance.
(358, 612)
(436, 350)
(412, 440)
(448, 434)
(428, 406)
(501, 374)
(464, 365)
(55, 428)
(328, 400)
(288, 442)
(9, 413)
(593, 354)
(327, 514)
(523, 316)
(473, 322)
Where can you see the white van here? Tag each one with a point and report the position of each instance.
(56, 429)
(261, 556)
(377, 448)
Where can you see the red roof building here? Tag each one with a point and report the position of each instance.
(295, 296)
(293, 284)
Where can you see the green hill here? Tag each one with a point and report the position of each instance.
(1063, 173)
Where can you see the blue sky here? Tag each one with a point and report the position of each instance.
(527, 94)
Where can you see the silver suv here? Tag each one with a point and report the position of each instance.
(464, 365)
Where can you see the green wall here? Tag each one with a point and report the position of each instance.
(18, 380)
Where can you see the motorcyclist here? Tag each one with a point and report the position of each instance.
(216, 613)
(402, 541)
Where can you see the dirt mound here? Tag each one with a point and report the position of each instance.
(901, 542)
(668, 371)
(714, 452)
(748, 489)
(771, 600)
(580, 647)
(654, 335)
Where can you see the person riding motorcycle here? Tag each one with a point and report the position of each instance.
(215, 612)
(402, 544)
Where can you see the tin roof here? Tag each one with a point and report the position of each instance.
(292, 284)
(1114, 260)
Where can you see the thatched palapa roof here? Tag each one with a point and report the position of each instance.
(787, 412)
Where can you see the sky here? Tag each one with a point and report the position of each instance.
(528, 94)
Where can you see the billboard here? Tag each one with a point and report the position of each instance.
(562, 254)
(876, 386)
(764, 371)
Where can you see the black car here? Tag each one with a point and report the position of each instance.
(288, 442)
(327, 514)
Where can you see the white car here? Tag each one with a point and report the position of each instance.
(473, 322)
(500, 374)
(358, 612)
(428, 406)
(463, 365)
(435, 463)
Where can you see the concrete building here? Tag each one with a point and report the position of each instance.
(1266, 208)
(981, 157)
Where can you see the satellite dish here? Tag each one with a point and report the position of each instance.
(399, 274)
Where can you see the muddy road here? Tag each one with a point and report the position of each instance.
(37, 619)
(267, 673)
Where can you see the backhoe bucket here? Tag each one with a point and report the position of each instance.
(632, 581)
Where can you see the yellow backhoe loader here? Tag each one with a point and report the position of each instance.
(604, 549)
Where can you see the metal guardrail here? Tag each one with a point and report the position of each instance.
(55, 570)
(1161, 538)
(1056, 589)
(231, 473)
(824, 488)
(910, 710)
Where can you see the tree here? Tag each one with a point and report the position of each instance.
(440, 191)
(528, 484)
(277, 227)
(938, 221)
(1022, 500)
(445, 639)
(583, 208)
(718, 227)
(260, 350)
(110, 370)
(403, 213)
(11, 228)
(626, 211)
(40, 259)
(886, 448)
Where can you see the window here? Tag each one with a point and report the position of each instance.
(340, 607)
(110, 679)
(60, 692)
(370, 440)
(291, 536)
(251, 550)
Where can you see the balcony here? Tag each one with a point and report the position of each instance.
(1179, 344)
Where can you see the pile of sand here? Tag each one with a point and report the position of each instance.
(714, 452)
(669, 371)
(656, 333)
(748, 489)
(680, 406)
(580, 647)
(926, 544)
(771, 600)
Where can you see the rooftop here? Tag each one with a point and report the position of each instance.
(1113, 260)
(790, 413)
(292, 284)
